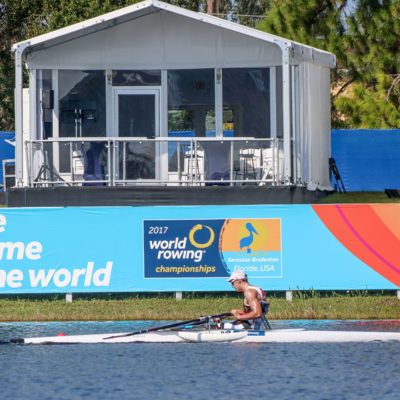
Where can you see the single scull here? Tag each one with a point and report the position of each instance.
(233, 336)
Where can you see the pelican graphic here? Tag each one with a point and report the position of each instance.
(248, 240)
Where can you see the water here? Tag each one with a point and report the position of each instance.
(198, 371)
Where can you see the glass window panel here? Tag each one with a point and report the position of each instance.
(279, 103)
(82, 105)
(136, 115)
(136, 78)
(82, 108)
(191, 109)
(191, 101)
(45, 101)
(246, 102)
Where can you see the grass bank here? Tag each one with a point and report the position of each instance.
(357, 197)
(166, 307)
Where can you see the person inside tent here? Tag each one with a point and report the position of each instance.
(255, 305)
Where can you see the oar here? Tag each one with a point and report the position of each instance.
(174, 325)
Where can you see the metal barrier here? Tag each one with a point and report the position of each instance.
(159, 161)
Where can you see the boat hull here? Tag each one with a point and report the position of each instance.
(233, 336)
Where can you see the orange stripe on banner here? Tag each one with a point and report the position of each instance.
(364, 233)
(390, 216)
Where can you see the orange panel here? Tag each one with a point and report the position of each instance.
(268, 237)
(363, 232)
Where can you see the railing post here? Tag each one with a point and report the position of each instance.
(114, 161)
(231, 166)
(68, 298)
(178, 160)
(71, 161)
(191, 162)
(109, 162)
(28, 162)
(398, 294)
(289, 295)
(178, 296)
(124, 162)
(196, 169)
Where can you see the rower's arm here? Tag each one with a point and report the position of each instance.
(256, 309)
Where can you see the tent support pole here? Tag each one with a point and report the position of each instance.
(18, 117)
(287, 115)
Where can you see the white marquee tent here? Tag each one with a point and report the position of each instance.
(153, 35)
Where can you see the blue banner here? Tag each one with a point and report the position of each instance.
(144, 249)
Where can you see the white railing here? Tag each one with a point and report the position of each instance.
(160, 161)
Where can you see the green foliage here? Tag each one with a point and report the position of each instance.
(358, 197)
(248, 10)
(15, 17)
(374, 44)
(366, 83)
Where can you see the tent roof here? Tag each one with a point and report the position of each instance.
(298, 51)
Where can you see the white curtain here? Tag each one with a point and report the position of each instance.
(315, 126)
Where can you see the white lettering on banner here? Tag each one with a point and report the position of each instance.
(89, 273)
(10, 250)
(197, 255)
(63, 277)
(40, 277)
(3, 223)
(106, 272)
(11, 278)
(175, 249)
(66, 277)
(254, 268)
(168, 244)
(75, 276)
(32, 250)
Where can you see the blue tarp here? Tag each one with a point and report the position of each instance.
(7, 149)
(367, 159)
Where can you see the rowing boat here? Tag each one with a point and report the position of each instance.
(232, 336)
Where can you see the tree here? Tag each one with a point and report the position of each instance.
(15, 19)
(366, 83)
(250, 12)
(316, 23)
(373, 42)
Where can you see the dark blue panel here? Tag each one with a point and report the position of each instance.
(367, 160)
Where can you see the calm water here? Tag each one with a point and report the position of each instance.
(197, 371)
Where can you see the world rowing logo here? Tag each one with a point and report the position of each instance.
(193, 241)
(183, 248)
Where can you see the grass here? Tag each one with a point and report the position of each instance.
(305, 305)
(357, 197)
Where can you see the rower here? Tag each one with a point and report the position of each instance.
(255, 305)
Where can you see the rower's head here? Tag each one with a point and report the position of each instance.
(238, 279)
